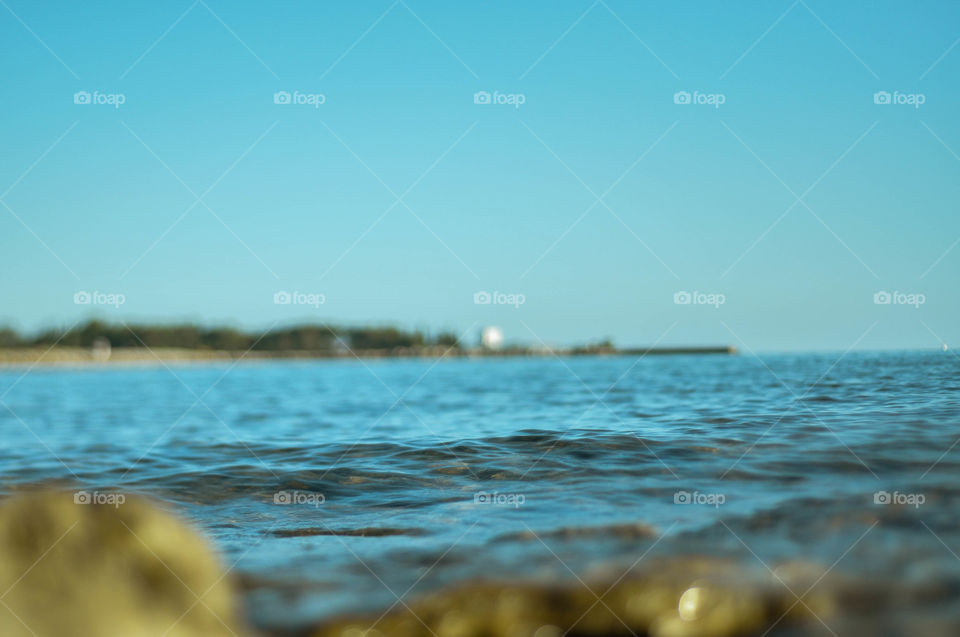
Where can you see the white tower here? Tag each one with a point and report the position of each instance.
(491, 337)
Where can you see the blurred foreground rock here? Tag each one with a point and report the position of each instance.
(686, 597)
(125, 568)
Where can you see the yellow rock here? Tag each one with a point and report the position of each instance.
(70, 567)
(694, 596)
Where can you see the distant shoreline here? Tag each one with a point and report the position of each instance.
(66, 356)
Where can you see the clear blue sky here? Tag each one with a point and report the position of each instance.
(299, 198)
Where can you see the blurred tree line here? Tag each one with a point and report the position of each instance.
(313, 338)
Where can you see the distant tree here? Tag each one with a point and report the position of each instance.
(447, 339)
(312, 338)
(383, 338)
(9, 338)
(600, 347)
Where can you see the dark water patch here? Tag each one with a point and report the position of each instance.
(719, 420)
(365, 532)
(626, 531)
(289, 585)
(820, 398)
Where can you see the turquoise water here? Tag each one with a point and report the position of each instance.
(333, 486)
